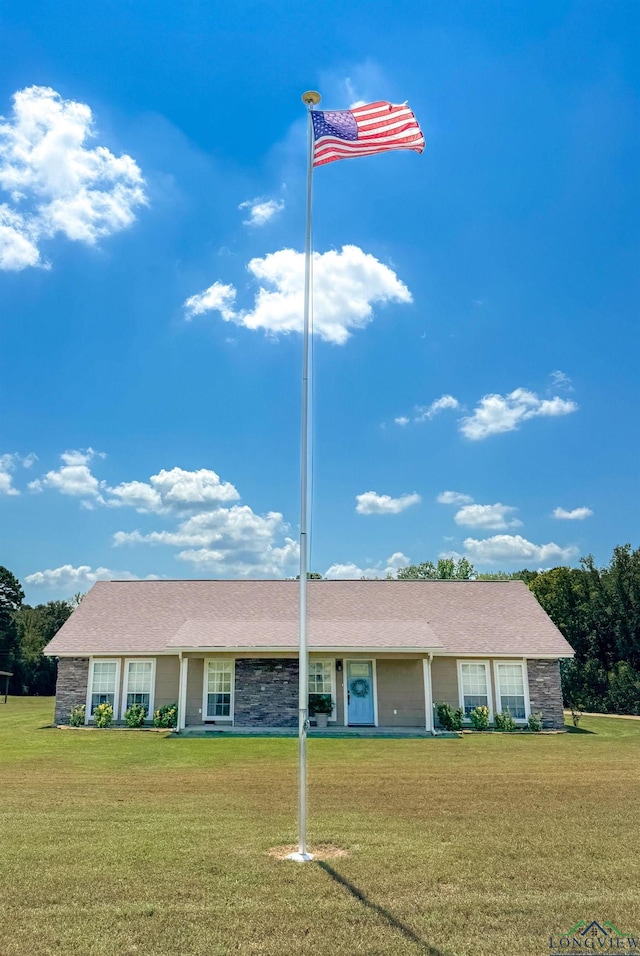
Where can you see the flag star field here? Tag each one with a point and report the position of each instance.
(476, 343)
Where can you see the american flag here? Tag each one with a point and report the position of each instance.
(374, 128)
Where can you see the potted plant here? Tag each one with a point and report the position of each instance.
(320, 707)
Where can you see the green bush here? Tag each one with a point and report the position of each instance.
(449, 718)
(479, 718)
(134, 716)
(166, 716)
(504, 722)
(535, 722)
(320, 704)
(103, 715)
(77, 715)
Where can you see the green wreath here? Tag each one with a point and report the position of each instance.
(359, 687)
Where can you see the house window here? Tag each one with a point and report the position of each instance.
(320, 677)
(104, 684)
(510, 689)
(321, 681)
(218, 688)
(474, 680)
(139, 685)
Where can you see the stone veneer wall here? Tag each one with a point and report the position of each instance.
(71, 686)
(266, 693)
(545, 692)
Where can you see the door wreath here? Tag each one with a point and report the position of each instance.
(359, 687)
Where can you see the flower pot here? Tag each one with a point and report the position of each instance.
(321, 721)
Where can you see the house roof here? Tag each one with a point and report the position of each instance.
(446, 617)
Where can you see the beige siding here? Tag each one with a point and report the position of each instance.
(167, 680)
(444, 681)
(195, 679)
(400, 689)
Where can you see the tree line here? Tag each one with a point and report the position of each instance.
(596, 608)
(24, 632)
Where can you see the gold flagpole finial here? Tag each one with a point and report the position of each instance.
(311, 98)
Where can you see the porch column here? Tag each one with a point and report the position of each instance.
(428, 693)
(182, 692)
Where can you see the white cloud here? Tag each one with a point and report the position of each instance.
(18, 249)
(7, 467)
(232, 540)
(426, 412)
(226, 540)
(261, 210)
(504, 413)
(347, 284)
(578, 514)
(217, 298)
(402, 420)
(68, 578)
(56, 184)
(370, 503)
(560, 380)
(487, 516)
(74, 478)
(353, 98)
(350, 571)
(272, 561)
(513, 547)
(453, 498)
(174, 490)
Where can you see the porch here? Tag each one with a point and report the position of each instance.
(372, 732)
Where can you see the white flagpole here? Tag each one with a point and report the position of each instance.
(310, 99)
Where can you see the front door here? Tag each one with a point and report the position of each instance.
(360, 692)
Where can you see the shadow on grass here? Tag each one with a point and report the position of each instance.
(388, 917)
(578, 730)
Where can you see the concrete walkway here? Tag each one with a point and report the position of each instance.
(372, 732)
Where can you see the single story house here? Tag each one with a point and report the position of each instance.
(386, 651)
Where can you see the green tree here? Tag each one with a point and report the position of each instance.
(11, 598)
(36, 626)
(447, 569)
(598, 611)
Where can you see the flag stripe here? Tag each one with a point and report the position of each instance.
(363, 131)
(370, 142)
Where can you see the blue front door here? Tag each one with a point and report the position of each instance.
(360, 692)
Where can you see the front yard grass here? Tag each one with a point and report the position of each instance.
(135, 844)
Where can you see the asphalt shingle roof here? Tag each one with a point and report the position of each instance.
(461, 617)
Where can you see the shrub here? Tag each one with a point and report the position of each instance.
(479, 717)
(134, 716)
(103, 715)
(535, 722)
(77, 715)
(166, 716)
(504, 722)
(450, 719)
(320, 704)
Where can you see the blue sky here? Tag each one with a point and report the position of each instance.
(475, 367)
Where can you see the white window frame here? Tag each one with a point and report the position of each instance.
(88, 716)
(525, 684)
(125, 683)
(205, 689)
(332, 663)
(345, 687)
(487, 670)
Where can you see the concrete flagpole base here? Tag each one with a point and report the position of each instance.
(300, 857)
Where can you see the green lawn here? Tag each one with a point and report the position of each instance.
(117, 843)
